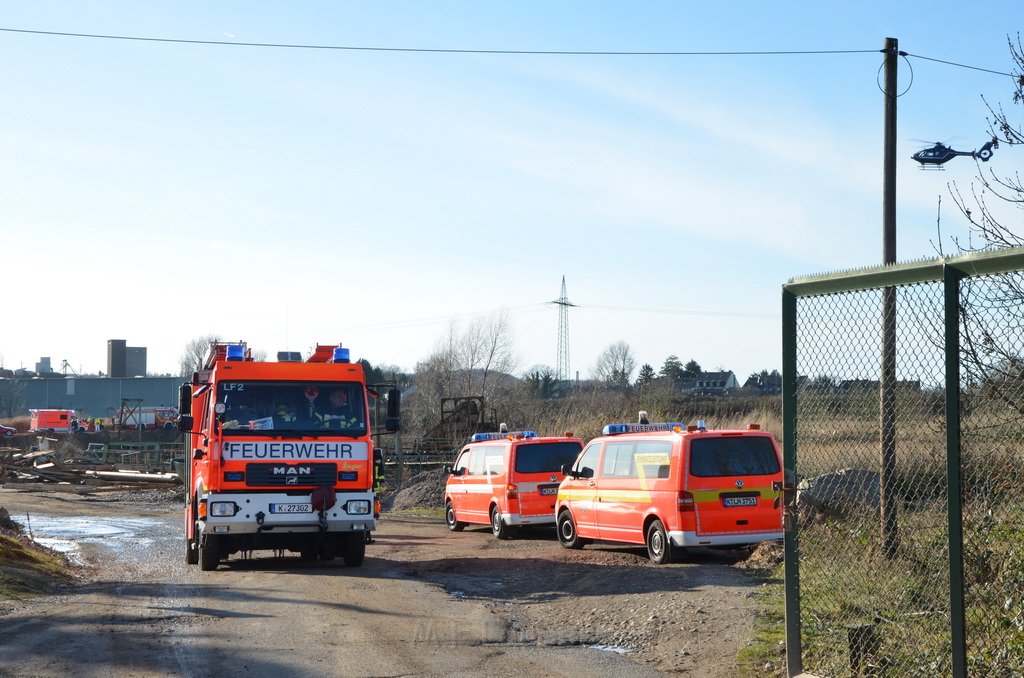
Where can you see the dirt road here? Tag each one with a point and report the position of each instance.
(425, 602)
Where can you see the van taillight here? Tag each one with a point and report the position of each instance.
(685, 501)
(512, 491)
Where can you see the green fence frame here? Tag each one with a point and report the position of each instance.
(951, 273)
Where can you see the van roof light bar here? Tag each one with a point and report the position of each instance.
(501, 435)
(615, 429)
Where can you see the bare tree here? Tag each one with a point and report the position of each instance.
(984, 204)
(12, 397)
(615, 365)
(194, 354)
(992, 315)
(464, 364)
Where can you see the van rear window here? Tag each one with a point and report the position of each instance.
(545, 457)
(733, 456)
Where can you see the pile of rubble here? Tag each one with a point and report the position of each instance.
(69, 465)
(423, 490)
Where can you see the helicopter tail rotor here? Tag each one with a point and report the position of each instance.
(985, 152)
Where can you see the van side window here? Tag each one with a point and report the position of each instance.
(487, 460)
(476, 462)
(618, 461)
(462, 463)
(494, 460)
(587, 462)
(652, 459)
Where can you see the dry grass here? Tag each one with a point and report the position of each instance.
(21, 423)
(28, 569)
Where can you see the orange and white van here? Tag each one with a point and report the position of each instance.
(669, 486)
(507, 479)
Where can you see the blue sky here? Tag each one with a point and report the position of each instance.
(156, 192)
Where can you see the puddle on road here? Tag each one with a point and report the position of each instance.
(68, 534)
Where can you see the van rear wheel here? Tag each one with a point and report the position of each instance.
(449, 518)
(498, 526)
(659, 548)
(567, 535)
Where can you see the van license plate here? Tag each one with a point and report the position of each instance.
(740, 501)
(549, 490)
(291, 508)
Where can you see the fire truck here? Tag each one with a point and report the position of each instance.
(279, 455)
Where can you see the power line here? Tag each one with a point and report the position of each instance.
(953, 63)
(448, 50)
(355, 48)
(679, 311)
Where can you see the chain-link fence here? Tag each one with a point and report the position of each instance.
(904, 442)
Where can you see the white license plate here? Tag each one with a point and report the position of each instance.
(291, 508)
(740, 501)
(548, 490)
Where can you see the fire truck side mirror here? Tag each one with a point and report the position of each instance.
(185, 398)
(198, 453)
(394, 403)
(185, 423)
(393, 421)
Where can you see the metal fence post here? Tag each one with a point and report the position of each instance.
(794, 658)
(951, 278)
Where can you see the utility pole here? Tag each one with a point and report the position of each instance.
(887, 383)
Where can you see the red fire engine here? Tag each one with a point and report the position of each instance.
(281, 455)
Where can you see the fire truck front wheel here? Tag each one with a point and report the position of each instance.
(354, 549)
(191, 551)
(209, 553)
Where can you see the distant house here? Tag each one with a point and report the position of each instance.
(709, 383)
(763, 384)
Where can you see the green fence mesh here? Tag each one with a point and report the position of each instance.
(874, 539)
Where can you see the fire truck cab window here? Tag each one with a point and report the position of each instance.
(294, 407)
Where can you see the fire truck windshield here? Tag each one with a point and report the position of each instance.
(273, 408)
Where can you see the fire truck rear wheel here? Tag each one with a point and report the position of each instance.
(354, 550)
(567, 535)
(209, 553)
(659, 548)
(450, 520)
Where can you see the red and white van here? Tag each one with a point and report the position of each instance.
(507, 479)
(670, 486)
(54, 420)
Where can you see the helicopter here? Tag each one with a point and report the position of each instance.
(941, 153)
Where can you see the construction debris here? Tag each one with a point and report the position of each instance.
(71, 466)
